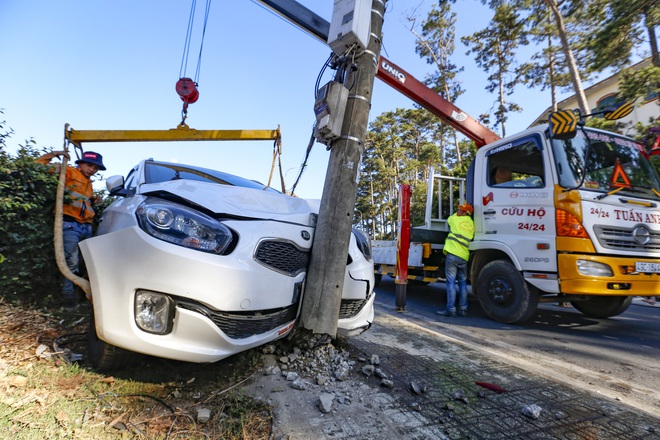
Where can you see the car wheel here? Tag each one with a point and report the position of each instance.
(104, 356)
(504, 294)
(603, 306)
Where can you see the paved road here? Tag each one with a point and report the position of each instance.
(618, 356)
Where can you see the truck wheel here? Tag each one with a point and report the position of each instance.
(104, 356)
(603, 306)
(377, 279)
(504, 294)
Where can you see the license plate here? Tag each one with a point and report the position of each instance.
(647, 267)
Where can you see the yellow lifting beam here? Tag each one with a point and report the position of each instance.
(181, 133)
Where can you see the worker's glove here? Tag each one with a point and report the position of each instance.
(59, 154)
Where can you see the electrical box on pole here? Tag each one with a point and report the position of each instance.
(350, 25)
(329, 109)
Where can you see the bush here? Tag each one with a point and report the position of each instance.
(28, 271)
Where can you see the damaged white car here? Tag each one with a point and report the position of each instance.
(197, 265)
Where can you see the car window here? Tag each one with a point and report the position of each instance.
(131, 180)
(157, 172)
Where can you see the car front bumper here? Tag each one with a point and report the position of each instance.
(210, 291)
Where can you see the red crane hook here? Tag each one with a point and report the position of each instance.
(187, 90)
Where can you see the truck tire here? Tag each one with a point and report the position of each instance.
(104, 356)
(603, 306)
(377, 279)
(504, 294)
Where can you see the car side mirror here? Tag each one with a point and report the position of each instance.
(115, 185)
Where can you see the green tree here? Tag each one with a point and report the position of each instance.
(400, 148)
(628, 27)
(495, 49)
(436, 44)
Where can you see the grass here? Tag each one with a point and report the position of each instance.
(48, 397)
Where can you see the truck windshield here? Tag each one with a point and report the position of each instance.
(614, 162)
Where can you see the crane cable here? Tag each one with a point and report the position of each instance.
(185, 86)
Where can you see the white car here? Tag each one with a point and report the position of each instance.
(197, 265)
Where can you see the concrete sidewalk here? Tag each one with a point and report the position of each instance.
(434, 395)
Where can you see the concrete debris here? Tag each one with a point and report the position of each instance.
(532, 411)
(299, 384)
(375, 360)
(380, 374)
(368, 370)
(268, 349)
(386, 383)
(325, 402)
(460, 396)
(203, 415)
(342, 371)
(417, 388)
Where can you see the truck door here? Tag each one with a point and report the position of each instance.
(517, 202)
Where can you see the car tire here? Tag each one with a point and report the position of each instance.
(504, 294)
(104, 356)
(603, 307)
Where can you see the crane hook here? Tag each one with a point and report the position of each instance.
(187, 90)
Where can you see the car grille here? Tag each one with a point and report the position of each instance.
(351, 307)
(611, 237)
(282, 256)
(241, 325)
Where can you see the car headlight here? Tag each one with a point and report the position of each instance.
(363, 243)
(183, 226)
(594, 269)
(154, 312)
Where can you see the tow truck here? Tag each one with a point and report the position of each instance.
(577, 219)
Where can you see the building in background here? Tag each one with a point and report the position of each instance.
(604, 94)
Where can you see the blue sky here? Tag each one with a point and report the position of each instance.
(114, 65)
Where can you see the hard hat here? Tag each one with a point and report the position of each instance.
(466, 207)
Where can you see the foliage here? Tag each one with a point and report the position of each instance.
(27, 200)
(639, 84)
(649, 135)
(622, 31)
(28, 271)
(401, 148)
(495, 48)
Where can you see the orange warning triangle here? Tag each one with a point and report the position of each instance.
(619, 173)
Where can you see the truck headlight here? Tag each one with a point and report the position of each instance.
(154, 312)
(594, 269)
(183, 226)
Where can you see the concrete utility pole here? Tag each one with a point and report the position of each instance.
(325, 281)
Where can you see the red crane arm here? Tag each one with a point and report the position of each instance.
(417, 91)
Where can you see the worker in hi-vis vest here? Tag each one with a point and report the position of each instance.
(456, 249)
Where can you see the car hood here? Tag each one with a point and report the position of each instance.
(236, 201)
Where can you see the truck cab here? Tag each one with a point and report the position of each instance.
(563, 218)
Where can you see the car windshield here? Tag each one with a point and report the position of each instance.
(614, 162)
(157, 172)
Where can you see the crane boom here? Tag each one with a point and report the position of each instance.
(391, 74)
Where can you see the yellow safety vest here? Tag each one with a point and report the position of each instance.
(462, 231)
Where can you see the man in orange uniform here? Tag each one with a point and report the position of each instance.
(77, 211)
